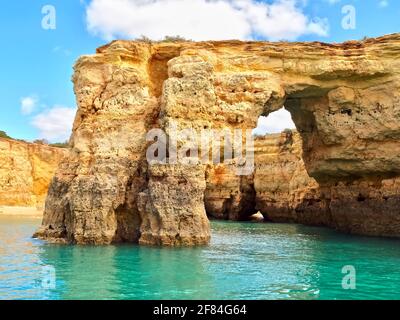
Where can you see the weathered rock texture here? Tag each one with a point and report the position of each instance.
(26, 170)
(280, 187)
(344, 99)
(229, 196)
(284, 190)
(170, 215)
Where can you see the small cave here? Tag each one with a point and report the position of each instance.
(248, 203)
(347, 111)
(361, 198)
(128, 224)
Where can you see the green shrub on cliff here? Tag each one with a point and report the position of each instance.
(3, 134)
(288, 131)
(60, 144)
(145, 39)
(175, 39)
(55, 145)
(166, 39)
(41, 141)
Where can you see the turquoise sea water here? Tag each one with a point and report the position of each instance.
(244, 261)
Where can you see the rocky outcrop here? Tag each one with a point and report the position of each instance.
(170, 215)
(26, 170)
(286, 193)
(229, 196)
(284, 190)
(280, 187)
(344, 99)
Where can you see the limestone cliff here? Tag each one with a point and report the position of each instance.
(229, 196)
(174, 217)
(280, 187)
(26, 170)
(344, 100)
(286, 193)
(284, 190)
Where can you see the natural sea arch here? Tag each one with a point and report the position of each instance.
(343, 98)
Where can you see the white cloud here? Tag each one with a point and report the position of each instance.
(202, 19)
(383, 3)
(55, 124)
(276, 122)
(28, 104)
(333, 1)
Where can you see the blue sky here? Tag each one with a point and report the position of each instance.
(36, 64)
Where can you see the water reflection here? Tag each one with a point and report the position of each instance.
(82, 272)
(269, 263)
(20, 264)
(127, 272)
(244, 261)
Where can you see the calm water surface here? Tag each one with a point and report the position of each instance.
(244, 261)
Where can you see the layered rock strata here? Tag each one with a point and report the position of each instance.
(26, 170)
(286, 193)
(284, 190)
(229, 196)
(344, 100)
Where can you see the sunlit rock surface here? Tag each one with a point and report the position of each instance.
(26, 170)
(344, 100)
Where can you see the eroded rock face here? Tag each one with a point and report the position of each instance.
(344, 99)
(286, 193)
(170, 215)
(284, 190)
(26, 170)
(365, 207)
(229, 196)
(280, 187)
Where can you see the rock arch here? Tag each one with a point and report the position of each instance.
(344, 100)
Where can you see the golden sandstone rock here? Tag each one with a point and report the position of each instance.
(284, 190)
(26, 170)
(344, 100)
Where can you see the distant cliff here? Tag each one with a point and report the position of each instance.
(26, 170)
